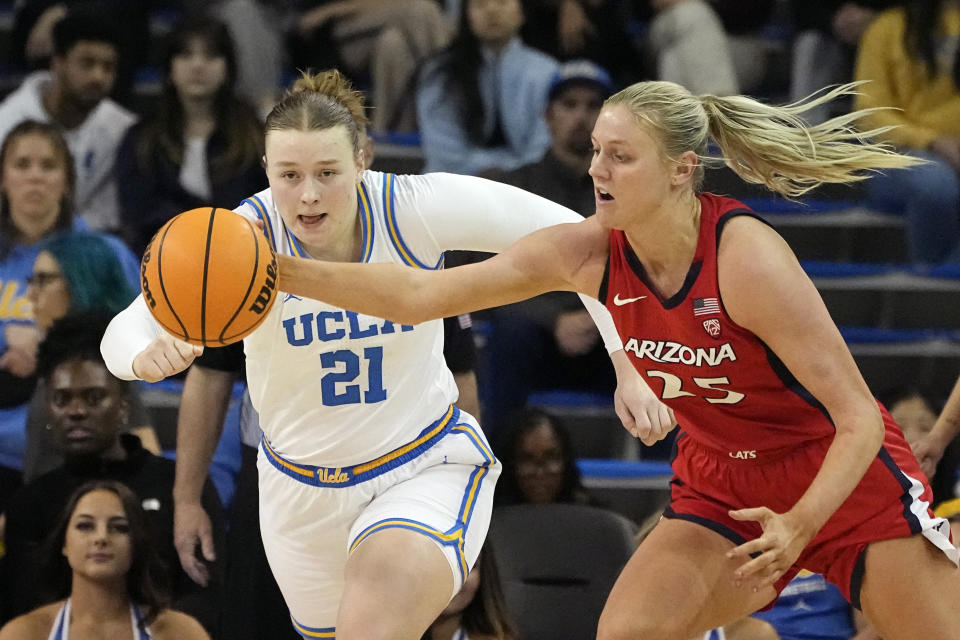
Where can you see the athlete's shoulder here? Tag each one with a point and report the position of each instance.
(258, 204)
(33, 625)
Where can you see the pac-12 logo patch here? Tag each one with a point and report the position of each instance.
(712, 327)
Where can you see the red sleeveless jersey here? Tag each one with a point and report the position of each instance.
(727, 388)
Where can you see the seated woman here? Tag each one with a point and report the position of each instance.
(480, 102)
(106, 575)
(538, 462)
(200, 147)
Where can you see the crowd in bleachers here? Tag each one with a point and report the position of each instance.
(117, 115)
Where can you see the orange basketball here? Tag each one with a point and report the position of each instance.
(209, 276)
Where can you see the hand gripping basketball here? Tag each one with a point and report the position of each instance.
(209, 276)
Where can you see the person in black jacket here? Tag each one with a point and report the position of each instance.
(201, 147)
(88, 409)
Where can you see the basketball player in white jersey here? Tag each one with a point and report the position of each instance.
(375, 490)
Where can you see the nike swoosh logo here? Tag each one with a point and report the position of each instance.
(617, 300)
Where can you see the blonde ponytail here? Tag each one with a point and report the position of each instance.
(764, 144)
(773, 146)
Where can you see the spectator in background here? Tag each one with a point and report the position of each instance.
(480, 103)
(89, 415)
(910, 58)
(73, 95)
(538, 461)
(37, 184)
(101, 560)
(743, 21)
(917, 414)
(36, 191)
(550, 342)
(76, 272)
(201, 147)
(32, 45)
(825, 45)
(590, 29)
(385, 41)
(477, 611)
(691, 48)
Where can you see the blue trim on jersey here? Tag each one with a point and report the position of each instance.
(349, 476)
(293, 244)
(313, 632)
(906, 485)
(366, 223)
(390, 214)
(261, 210)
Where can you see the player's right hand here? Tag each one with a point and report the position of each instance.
(191, 526)
(164, 357)
(928, 454)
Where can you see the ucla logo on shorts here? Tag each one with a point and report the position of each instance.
(332, 476)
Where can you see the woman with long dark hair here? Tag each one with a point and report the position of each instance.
(202, 145)
(104, 574)
(480, 102)
(538, 461)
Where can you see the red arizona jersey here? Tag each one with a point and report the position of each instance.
(727, 389)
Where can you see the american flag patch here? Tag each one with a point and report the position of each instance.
(705, 306)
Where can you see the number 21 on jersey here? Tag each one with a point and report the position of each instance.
(342, 384)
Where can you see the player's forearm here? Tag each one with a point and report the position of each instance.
(387, 291)
(858, 439)
(948, 423)
(203, 407)
(128, 334)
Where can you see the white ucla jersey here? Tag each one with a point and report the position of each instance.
(333, 387)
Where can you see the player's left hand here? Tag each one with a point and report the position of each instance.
(638, 407)
(776, 550)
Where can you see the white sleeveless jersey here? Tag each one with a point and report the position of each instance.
(336, 388)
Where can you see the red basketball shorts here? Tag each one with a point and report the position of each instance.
(891, 501)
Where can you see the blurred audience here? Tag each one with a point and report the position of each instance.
(743, 21)
(73, 95)
(480, 103)
(691, 48)
(104, 574)
(89, 413)
(538, 461)
(77, 272)
(550, 342)
(202, 145)
(477, 611)
(384, 41)
(32, 44)
(37, 183)
(595, 30)
(825, 45)
(910, 59)
(36, 190)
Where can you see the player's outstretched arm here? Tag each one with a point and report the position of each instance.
(545, 260)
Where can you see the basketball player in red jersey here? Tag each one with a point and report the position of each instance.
(785, 461)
